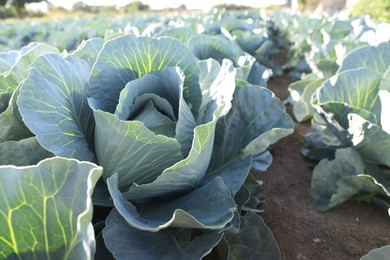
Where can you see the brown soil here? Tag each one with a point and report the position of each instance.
(348, 231)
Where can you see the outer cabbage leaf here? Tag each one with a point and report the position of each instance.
(255, 194)
(233, 173)
(326, 67)
(127, 57)
(13, 127)
(88, 50)
(24, 152)
(20, 70)
(376, 58)
(11, 122)
(259, 46)
(183, 34)
(262, 161)
(336, 181)
(252, 71)
(332, 123)
(303, 110)
(322, 136)
(254, 241)
(252, 128)
(257, 120)
(378, 253)
(4, 101)
(339, 112)
(370, 140)
(248, 41)
(53, 104)
(216, 47)
(358, 88)
(167, 244)
(208, 207)
(46, 210)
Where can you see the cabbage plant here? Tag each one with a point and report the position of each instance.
(176, 138)
(351, 134)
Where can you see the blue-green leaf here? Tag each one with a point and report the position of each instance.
(262, 161)
(336, 181)
(46, 210)
(53, 104)
(132, 150)
(167, 88)
(20, 70)
(88, 50)
(167, 244)
(24, 152)
(4, 101)
(12, 125)
(254, 73)
(370, 140)
(4, 66)
(208, 207)
(358, 88)
(376, 58)
(127, 57)
(254, 240)
(302, 108)
(256, 120)
(216, 47)
(377, 254)
(187, 174)
(233, 173)
(183, 34)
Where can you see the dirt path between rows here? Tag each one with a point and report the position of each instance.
(348, 231)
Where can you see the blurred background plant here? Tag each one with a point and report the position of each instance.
(379, 10)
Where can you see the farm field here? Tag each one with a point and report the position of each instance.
(225, 135)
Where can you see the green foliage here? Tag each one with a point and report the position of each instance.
(7, 12)
(378, 9)
(20, 3)
(232, 7)
(308, 5)
(83, 7)
(135, 6)
(16, 8)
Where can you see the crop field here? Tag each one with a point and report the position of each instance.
(223, 135)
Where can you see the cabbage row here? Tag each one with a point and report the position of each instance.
(344, 88)
(162, 132)
(346, 95)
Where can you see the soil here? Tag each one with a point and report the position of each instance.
(348, 231)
